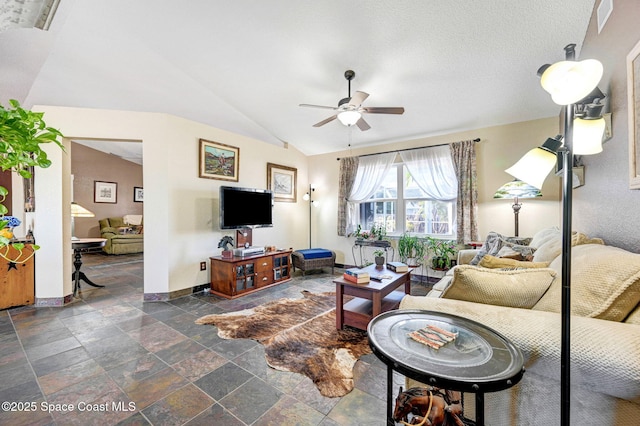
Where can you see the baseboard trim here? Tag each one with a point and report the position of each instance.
(165, 297)
(53, 302)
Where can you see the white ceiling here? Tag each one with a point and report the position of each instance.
(245, 65)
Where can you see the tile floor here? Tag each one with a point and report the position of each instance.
(121, 361)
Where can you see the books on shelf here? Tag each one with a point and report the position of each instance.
(356, 280)
(397, 266)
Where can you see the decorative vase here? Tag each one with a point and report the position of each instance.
(379, 260)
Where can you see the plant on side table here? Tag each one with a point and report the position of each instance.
(379, 257)
(21, 134)
(411, 249)
(443, 253)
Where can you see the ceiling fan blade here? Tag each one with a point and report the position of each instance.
(358, 98)
(325, 121)
(318, 106)
(362, 125)
(383, 110)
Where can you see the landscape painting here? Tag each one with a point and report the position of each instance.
(219, 161)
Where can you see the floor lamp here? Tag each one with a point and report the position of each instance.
(517, 189)
(570, 84)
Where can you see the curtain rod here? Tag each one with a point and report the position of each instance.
(476, 140)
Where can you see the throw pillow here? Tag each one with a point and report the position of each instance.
(552, 248)
(509, 249)
(492, 245)
(493, 262)
(605, 283)
(520, 288)
(544, 235)
(634, 316)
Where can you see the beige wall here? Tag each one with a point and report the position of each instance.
(180, 212)
(89, 165)
(500, 147)
(605, 207)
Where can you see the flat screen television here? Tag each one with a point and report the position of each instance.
(245, 207)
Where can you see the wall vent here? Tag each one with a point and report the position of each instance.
(604, 11)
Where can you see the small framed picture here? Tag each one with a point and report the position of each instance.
(219, 161)
(137, 194)
(282, 181)
(105, 192)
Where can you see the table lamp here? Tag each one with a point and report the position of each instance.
(515, 190)
(78, 211)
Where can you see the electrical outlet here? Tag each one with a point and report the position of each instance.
(203, 266)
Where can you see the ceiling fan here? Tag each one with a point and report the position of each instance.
(350, 109)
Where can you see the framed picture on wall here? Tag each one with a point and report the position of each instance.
(105, 192)
(137, 194)
(219, 161)
(282, 181)
(633, 90)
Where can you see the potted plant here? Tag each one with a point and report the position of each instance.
(379, 257)
(21, 134)
(443, 253)
(378, 232)
(411, 249)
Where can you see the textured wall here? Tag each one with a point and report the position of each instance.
(605, 206)
(89, 165)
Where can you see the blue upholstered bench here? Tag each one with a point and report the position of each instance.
(314, 258)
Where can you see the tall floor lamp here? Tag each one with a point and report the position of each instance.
(517, 189)
(571, 84)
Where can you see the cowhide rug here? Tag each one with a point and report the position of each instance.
(300, 335)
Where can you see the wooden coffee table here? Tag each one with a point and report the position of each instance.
(370, 299)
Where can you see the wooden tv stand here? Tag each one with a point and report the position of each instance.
(240, 275)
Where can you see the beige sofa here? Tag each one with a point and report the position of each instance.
(524, 305)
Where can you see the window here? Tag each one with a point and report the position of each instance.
(399, 196)
(380, 209)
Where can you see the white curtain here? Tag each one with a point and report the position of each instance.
(433, 170)
(371, 171)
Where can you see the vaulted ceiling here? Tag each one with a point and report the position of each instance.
(245, 66)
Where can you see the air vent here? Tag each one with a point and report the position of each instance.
(604, 11)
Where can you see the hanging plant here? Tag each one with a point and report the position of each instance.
(21, 134)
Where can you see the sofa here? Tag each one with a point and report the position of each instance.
(520, 298)
(125, 235)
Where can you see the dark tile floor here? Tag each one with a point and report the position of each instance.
(109, 358)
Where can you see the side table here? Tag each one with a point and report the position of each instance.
(370, 299)
(375, 244)
(78, 246)
(479, 360)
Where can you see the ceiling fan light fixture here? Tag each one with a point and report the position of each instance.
(349, 118)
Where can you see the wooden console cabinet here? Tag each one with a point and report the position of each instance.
(238, 276)
(17, 280)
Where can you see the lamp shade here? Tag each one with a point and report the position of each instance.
(349, 118)
(587, 136)
(569, 81)
(517, 189)
(534, 167)
(78, 211)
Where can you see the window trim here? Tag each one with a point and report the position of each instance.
(400, 203)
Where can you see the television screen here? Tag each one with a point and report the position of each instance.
(245, 207)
